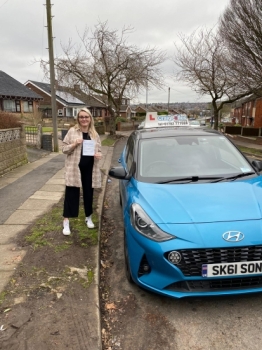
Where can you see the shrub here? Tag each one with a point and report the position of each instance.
(8, 121)
(121, 119)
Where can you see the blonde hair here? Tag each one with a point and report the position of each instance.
(91, 130)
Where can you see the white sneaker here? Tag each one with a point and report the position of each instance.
(66, 229)
(89, 222)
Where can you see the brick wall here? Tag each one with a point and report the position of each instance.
(12, 149)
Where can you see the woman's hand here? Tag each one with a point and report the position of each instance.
(78, 142)
(98, 156)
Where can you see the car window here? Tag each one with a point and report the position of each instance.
(129, 153)
(189, 156)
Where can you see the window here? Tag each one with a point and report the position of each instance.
(75, 111)
(69, 112)
(97, 112)
(28, 106)
(11, 106)
(129, 153)
(187, 156)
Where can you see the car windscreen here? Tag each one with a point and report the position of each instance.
(185, 156)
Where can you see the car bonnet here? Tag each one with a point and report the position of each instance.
(198, 203)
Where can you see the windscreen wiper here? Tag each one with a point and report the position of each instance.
(189, 179)
(234, 177)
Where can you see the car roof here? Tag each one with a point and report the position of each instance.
(172, 132)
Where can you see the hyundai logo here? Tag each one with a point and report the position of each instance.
(174, 257)
(233, 236)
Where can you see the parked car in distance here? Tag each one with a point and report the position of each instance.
(194, 123)
(191, 205)
(141, 125)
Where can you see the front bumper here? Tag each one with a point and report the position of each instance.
(151, 269)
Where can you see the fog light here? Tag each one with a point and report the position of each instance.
(174, 257)
(145, 268)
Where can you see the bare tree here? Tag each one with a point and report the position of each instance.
(105, 64)
(204, 63)
(241, 28)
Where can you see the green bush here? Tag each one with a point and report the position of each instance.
(141, 114)
(9, 121)
(98, 123)
(140, 119)
(121, 119)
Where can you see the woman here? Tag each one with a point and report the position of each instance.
(81, 168)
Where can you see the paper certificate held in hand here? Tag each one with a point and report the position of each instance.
(88, 147)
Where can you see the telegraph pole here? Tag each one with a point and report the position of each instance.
(52, 73)
(168, 100)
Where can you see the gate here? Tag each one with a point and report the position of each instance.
(33, 135)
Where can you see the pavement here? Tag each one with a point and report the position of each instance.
(30, 191)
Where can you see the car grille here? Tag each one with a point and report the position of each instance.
(192, 259)
(217, 284)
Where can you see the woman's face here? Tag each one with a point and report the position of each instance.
(84, 119)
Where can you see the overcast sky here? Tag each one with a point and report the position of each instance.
(156, 23)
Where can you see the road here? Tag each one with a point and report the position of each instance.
(137, 319)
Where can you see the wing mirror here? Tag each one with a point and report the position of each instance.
(119, 172)
(257, 164)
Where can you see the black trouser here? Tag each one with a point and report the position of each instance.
(72, 196)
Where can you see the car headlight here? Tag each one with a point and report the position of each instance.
(144, 225)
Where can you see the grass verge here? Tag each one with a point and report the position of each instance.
(109, 141)
(44, 231)
(250, 150)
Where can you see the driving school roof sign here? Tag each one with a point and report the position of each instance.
(155, 121)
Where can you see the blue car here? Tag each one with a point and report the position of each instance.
(192, 211)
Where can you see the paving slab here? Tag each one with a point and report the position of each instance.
(16, 174)
(10, 257)
(31, 204)
(60, 174)
(56, 181)
(16, 193)
(47, 195)
(6, 181)
(7, 232)
(53, 188)
(23, 217)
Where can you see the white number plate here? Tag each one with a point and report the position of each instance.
(232, 269)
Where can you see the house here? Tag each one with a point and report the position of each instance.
(248, 111)
(94, 103)
(126, 110)
(142, 109)
(67, 105)
(175, 111)
(17, 98)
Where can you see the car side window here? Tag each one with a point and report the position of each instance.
(130, 153)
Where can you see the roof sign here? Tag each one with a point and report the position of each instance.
(159, 121)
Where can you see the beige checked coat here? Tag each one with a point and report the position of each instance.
(72, 172)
